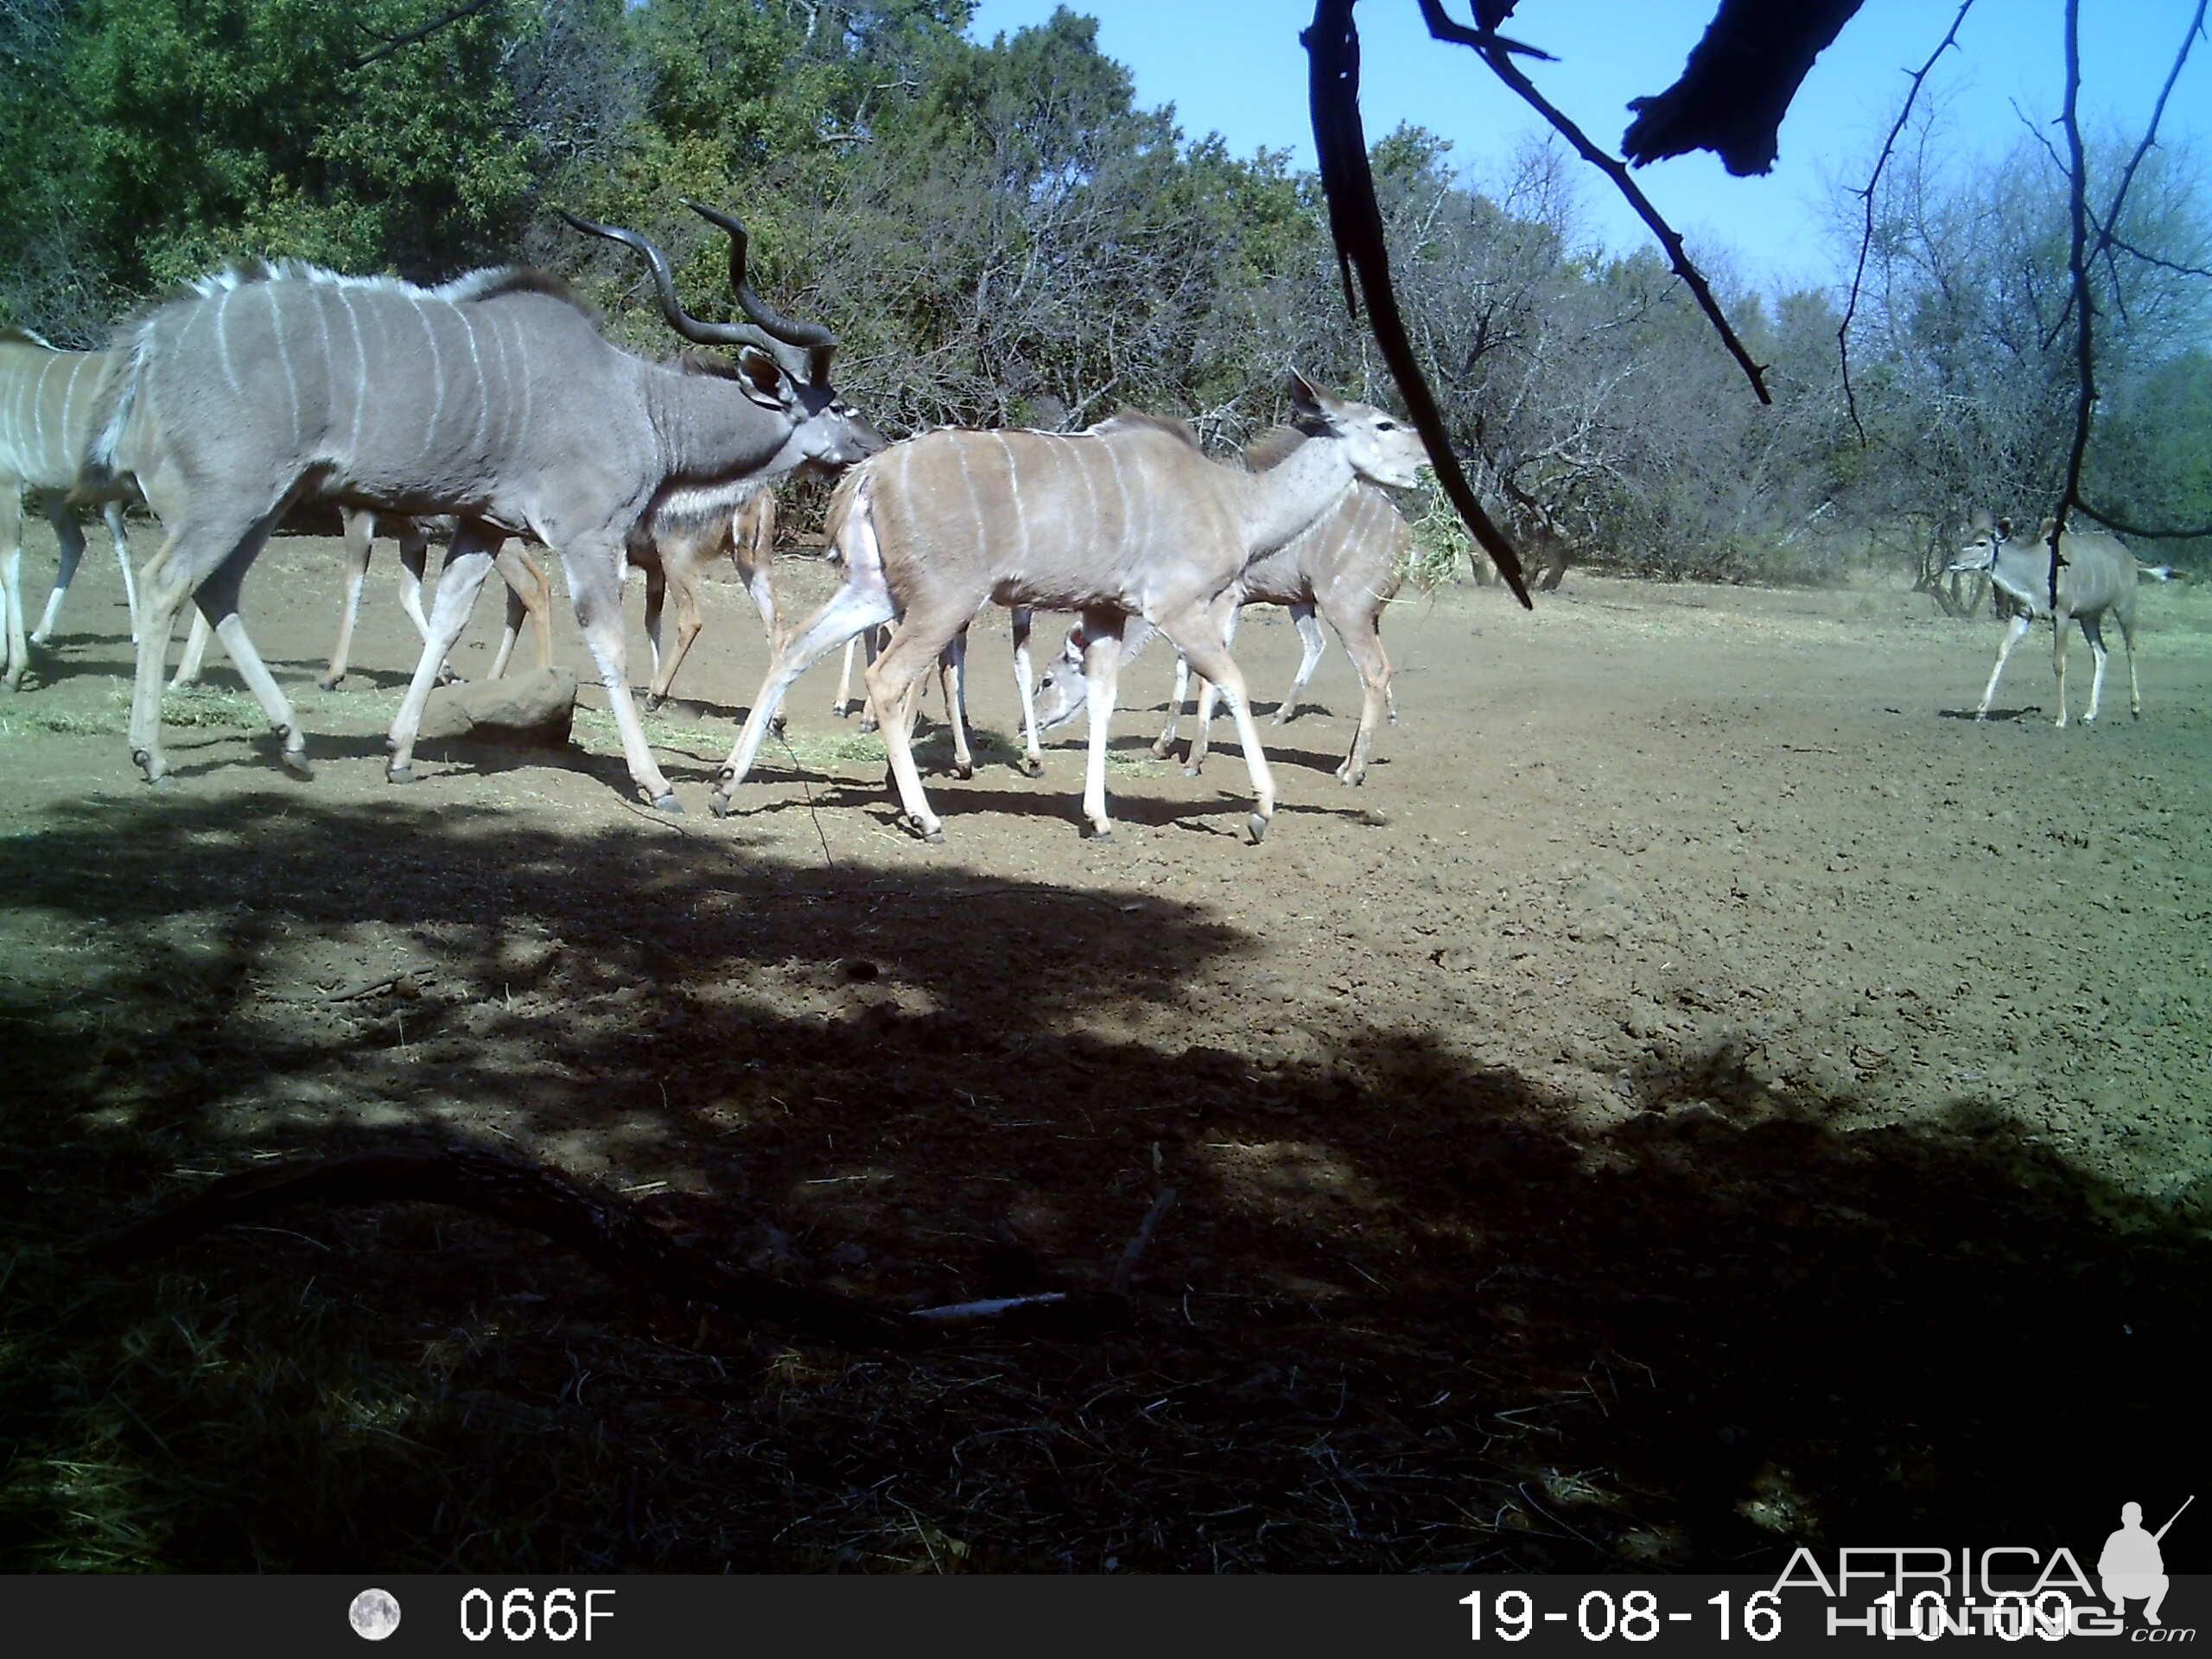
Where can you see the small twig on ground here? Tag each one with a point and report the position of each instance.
(1135, 1248)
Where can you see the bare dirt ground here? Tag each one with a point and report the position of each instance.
(1702, 1096)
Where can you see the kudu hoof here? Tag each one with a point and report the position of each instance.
(963, 772)
(1097, 829)
(1031, 767)
(399, 774)
(780, 724)
(1190, 771)
(653, 703)
(923, 831)
(669, 803)
(297, 764)
(329, 682)
(1257, 823)
(719, 804)
(163, 785)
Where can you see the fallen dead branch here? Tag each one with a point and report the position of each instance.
(611, 1235)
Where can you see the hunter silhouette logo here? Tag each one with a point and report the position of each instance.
(2130, 1568)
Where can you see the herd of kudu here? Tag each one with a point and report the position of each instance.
(492, 408)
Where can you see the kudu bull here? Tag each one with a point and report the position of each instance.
(1128, 518)
(47, 399)
(2096, 576)
(494, 398)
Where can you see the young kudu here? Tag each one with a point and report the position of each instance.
(1347, 564)
(2097, 575)
(682, 542)
(494, 398)
(1128, 518)
(47, 402)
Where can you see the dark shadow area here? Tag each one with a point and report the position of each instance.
(1993, 716)
(1405, 1314)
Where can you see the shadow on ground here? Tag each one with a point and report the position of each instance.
(1404, 1315)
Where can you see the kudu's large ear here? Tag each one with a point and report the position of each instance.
(2004, 530)
(1310, 403)
(764, 380)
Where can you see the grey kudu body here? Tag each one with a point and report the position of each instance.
(1345, 565)
(494, 398)
(48, 401)
(1127, 519)
(2098, 575)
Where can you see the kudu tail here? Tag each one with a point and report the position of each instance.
(118, 401)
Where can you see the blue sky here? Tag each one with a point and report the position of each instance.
(1235, 67)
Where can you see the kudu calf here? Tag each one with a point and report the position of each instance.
(1127, 519)
(47, 399)
(2097, 575)
(494, 398)
(1347, 564)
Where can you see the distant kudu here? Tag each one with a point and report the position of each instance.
(1347, 564)
(1128, 518)
(47, 399)
(494, 398)
(2096, 574)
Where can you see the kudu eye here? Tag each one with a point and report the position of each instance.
(1386, 426)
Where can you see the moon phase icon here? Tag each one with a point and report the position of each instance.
(375, 1614)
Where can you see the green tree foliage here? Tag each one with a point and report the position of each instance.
(1000, 234)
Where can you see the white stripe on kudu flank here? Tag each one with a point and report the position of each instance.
(360, 376)
(1013, 494)
(284, 352)
(1128, 518)
(38, 414)
(329, 374)
(69, 400)
(974, 507)
(438, 371)
(476, 368)
(223, 341)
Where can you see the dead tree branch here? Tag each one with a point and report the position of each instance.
(1866, 236)
(1355, 222)
(459, 14)
(1496, 53)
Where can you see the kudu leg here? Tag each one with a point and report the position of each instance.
(856, 607)
(361, 539)
(595, 572)
(1025, 682)
(70, 535)
(2058, 661)
(113, 513)
(2092, 631)
(195, 652)
(1162, 745)
(920, 639)
(530, 595)
(1364, 645)
(1198, 636)
(1226, 615)
(952, 677)
(414, 562)
(468, 561)
(2134, 691)
(1313, 643)
(1102, 671)
(17, 656)
(2013, 634)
